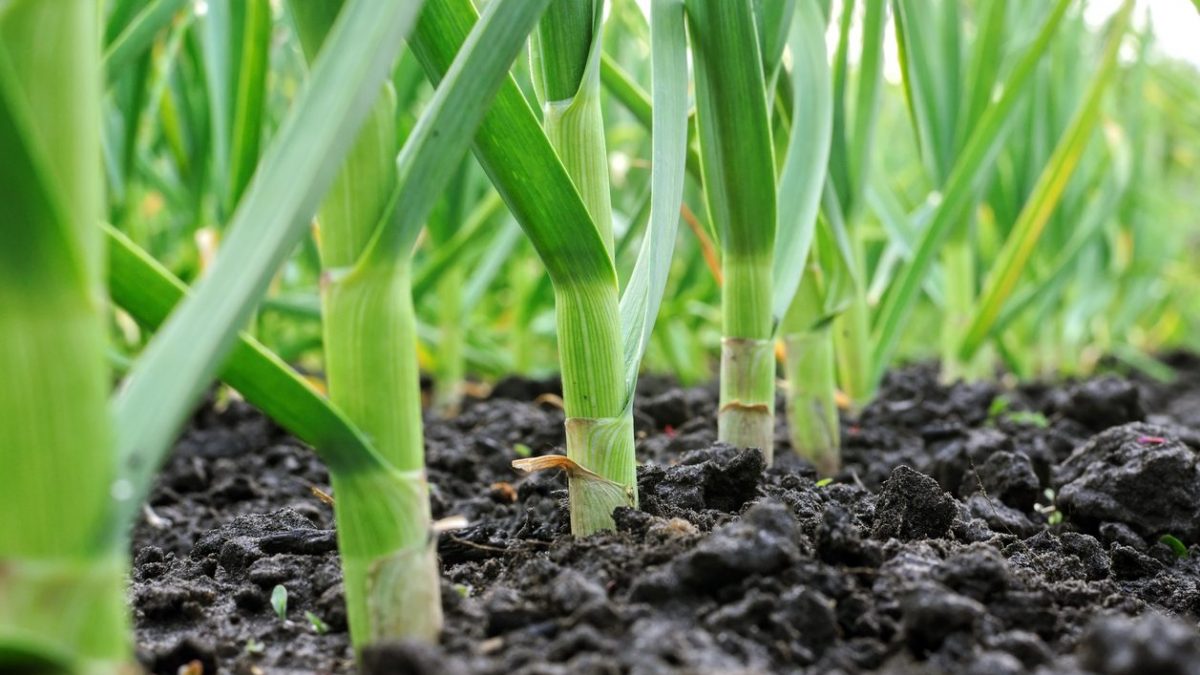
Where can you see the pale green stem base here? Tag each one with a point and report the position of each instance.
(448, 380)
(958, 262)
(852, 341)
(575, 128)
(853, 347)
(605, 447)
(384, 530)
(389, 563)
(747, 415)
(812, 408)
(599, 428)
(64, 612)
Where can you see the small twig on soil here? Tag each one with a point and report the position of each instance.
(520, 545)
(992, 505)
(480, 547)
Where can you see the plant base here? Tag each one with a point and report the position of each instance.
(389, 560)
(604, 450)
(747, 415)
(812, 409)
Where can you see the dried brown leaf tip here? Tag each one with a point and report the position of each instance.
(574, 472)
(547, 462)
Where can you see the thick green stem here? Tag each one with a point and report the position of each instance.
(747, 415)
(370, 338)
(738, 168)
(371, 364)
(389, 562)
(852, 338)
(599, 425)
(958, 262)
(448, 377)
(852, 343)
(747, 406)
(812, 409)
(61, 583)
(61, 579)
(576, 129)
(568, 53)
(522, 284)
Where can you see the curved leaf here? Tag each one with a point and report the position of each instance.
(642, 296)
(274, 214)
(804, 167)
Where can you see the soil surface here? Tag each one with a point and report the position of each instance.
(974, 529)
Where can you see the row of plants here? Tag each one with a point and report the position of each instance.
(315, 202)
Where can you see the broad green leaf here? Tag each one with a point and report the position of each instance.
(635, 99)
(804, 167)
(853, 139)
(984, 68)
(737, 157)
(643, 294)
(250, 102)
(273, 215)
(516, 155)
(735, 138)
(927, 37)
(444, 131)
(219, 37)
(54, 432)
(773, 19)
(149, 292)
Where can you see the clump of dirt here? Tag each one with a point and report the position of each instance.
(973, 529)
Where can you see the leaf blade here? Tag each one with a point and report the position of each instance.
(273, 215)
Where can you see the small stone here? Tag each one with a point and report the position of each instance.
(979, 573)
(408, 657)
(507, 611)
(571, 590)
(995, 663)
(1000, 517)
(331, 607)
(840, 541)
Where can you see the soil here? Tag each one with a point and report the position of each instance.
(974, 529)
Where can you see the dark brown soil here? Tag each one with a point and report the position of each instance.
(933, 551)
